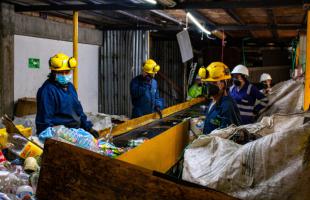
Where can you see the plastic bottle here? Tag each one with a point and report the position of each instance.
(24, 192)
(22, 147)
(78, 137)
(34, 179)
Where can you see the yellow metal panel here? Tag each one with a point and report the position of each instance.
(75, 46)
(161, 152)
(307, 75)
(146, 119)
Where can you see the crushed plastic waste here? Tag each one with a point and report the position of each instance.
(15, 183)
(27, 121)
(78, 137)
(21, 146)
(109, 149)
(243, 136)
(137, 142)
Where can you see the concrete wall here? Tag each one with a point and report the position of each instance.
(36, 37)
(278, 73)
(38, 27)
(28, 80)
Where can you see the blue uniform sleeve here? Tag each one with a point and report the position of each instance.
(262, 100)
(230, 115)
(136, 89)
(46, 106)
(85, 124)
(159, 102)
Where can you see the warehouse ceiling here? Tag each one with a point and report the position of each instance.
(261, 20)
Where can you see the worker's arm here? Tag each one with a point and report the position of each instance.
(230, 115)
(159, 102)
(85, 124)
(46, 107)
(262, 100)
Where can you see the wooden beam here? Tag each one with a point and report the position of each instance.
(261, 27)
(236, 17)
(272, 23)
(69, 172)
(184, 5)
(234, 27)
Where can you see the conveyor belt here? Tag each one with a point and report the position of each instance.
(155, 128)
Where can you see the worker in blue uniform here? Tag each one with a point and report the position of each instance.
(57, 99)
(222, 111)
(249, 99)
(144, 91)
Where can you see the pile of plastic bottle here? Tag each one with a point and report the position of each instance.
(83, 139)
(18, 182)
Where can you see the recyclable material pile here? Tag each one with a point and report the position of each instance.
(81, 138)
(286, 98)
(266, 160)
(19, 163)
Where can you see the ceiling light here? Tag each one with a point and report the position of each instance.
(195, 21)
(151, 1)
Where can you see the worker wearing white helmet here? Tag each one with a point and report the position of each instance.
(246, 94)
(265, 81)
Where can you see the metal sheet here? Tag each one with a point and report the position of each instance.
(122, 55)
(162, 152)
(167, 54)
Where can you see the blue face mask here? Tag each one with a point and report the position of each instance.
(63, 79)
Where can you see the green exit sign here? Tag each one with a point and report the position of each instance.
(34, 63)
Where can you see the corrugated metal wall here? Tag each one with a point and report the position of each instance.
(171, 76)
(121, 58)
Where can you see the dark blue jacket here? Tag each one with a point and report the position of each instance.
(221, 115)
(57, 106)
(144, 96)
(250, 101)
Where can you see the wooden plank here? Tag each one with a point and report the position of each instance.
(69, 172)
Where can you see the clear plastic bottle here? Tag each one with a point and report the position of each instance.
(78, 137)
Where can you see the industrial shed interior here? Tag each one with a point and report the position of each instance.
(154, 99)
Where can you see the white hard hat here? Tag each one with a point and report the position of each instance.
(265, 77)
(240, 69)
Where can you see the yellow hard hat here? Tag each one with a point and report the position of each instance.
(216, 71)
(62, 62)
(150, 67)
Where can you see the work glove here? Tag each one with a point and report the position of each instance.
(94, 133)
(157, 109)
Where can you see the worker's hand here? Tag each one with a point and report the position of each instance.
(157, 109)
(94, 132)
